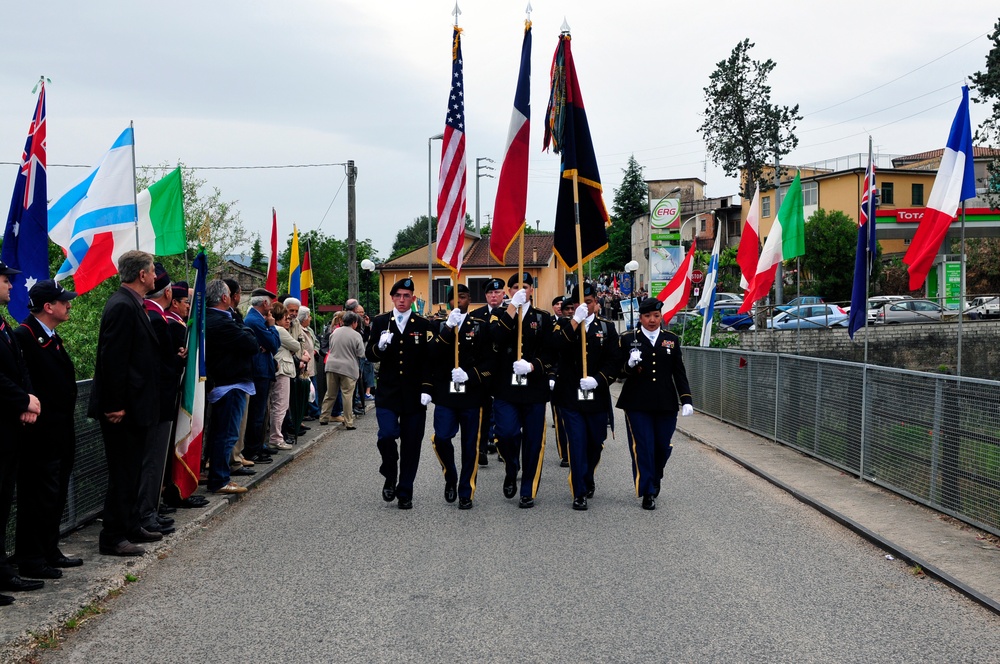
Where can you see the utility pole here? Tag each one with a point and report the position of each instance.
(352, 231)
(480, 174)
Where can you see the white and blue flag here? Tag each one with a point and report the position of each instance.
(707, 302)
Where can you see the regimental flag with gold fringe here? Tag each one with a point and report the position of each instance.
(567, 130)
(191, 414)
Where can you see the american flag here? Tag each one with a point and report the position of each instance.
(451, 179)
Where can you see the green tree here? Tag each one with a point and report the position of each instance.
(742, 128)
(414, 236)
(987, 86)
(328, 257)
(630, 202)
(257, 261)
(831, 245)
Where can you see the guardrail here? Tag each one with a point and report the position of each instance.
(932, 438)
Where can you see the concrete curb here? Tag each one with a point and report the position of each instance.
(871, 536)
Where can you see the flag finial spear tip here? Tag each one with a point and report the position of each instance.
(565, 26)
(527, 10)
(456, 12)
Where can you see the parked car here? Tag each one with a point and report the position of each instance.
(799, 301)
(984, 307)
(721, 298)
(875, 303)
(911, 311)
(729, 317)
(684, 318)
(809, 317)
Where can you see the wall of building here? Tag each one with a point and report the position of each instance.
(919, 347)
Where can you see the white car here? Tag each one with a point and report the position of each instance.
(984, 307)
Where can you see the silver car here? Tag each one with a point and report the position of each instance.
(911, 311)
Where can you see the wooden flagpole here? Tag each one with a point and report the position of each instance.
(579, 268)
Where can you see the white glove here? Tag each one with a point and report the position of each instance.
(588, 383)
(458, 375)
(454, 318)
(687, 409)
(425, 399)
(635, 357)
(581, 313)
(520, 298)
(523, 367)
(552, 384)
(384, 340)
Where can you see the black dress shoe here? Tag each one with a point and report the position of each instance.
(123, 548)
(450, 492)
(564, 464)
(303, 431)
(17, 584)
(648, 503)
(271, 449)
(465, 503)
(484, 459)
(6, 600)
(40, 572)
(262, 458)
(159, 528)
(405, 504)
(526, 502)
(193, 502)
(243, 471)
(143, 535)
(580, 503)
(166, 509)
(590, 490)
(303, 428)
(164, 520)
(63, 561)
(509, 486)
(389, 490)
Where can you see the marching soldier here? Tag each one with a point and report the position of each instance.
(583, 399)
(458, 395)
(487, 429)
(400, 341)
(655, 381)
(522, 390)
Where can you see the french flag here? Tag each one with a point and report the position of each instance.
(955, 182)
(512, 187)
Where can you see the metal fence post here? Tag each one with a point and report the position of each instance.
(935, 491)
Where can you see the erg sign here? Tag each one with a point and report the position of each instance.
(665, 213)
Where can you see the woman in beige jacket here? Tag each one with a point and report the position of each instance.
(288, 366)
(346, 348)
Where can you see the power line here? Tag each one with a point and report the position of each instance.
(198, 168)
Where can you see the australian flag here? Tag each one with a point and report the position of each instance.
(26, 237)
(864, 259)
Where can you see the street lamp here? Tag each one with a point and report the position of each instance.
(631, 267)
(680, 233)
(369, 266)
(430, 230)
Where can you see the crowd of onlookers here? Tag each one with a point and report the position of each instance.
(268, 373)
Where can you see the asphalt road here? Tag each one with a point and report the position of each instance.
(313, 567)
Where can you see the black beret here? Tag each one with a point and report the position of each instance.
(162, 278)
(494, 284)
(462, 288)
(47, 290)
(405, 284)
(557, 300)
(526, 281)
(649, 304)
(588, 289)
(180, 289)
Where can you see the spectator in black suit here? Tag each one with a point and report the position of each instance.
(44, 472)
(172, 358)
(229, 349)
(18, 407)
(125, 399)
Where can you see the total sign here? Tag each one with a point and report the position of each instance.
(665, 214)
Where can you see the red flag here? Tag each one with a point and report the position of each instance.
(512, 187)
(676, 293)
(451, 179)
(271, 283)
(749, 251)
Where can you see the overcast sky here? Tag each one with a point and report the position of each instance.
(248, 83)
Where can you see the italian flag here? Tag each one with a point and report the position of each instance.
(786, 240)
(191, 413)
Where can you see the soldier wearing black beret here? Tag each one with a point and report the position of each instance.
(487, 432)
(400, 341)
(655, 381)
(583, 398)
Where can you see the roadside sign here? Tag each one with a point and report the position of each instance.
(697, 276)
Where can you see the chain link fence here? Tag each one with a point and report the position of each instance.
(89, 480)
(932, 438)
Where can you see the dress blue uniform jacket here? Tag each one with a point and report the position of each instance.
(536, 348)
(603, 363)
(404, 365)
(657, 383)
